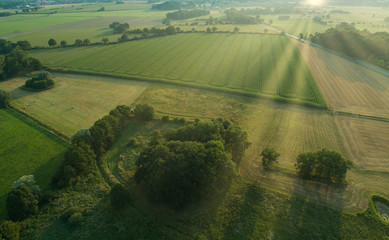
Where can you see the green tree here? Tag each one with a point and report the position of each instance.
(208, 30)
(105, 40)
(86, 41)
(166, 21)
(52, 42)
(144, 112)
(214, 29)
(236, 29)
(331, 165)
(78, 42)
(5, 98)
(124, 38)
(306, 164)
(9, 230)
(21, 203)
(64, 43)
(170, 30)
(269, 156)
(24, 45)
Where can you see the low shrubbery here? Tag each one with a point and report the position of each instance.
(5, 98)
(42, 81)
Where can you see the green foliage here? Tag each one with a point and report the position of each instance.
(185, 14)
(28, 181)
(9, 230)
(22, 202)
(16, 61)
(269, 156)
(144, 112)
(5, 98)
(178, 173)
(42, 81)
(63, 43)
(169, 5)
(119, 27)
(120, 196)
(52, 42)
(328, 165)
(165, 118)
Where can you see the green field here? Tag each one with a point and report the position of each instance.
(257, 64)
(26, 149)
(76, 102)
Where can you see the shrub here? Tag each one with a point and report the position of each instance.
(5, 98)
(9, 230)
(144, 112)
(21, 203)
(165, 118)
(42, 81)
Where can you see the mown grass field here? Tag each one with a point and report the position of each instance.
(291, 130)
(265, 65)
(26, 149)
(76, 102)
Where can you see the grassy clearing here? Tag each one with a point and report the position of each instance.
(26, 149)
(257, 64)
(76, 102)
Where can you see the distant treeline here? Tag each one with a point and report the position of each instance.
(242, 16)
(184, 14)
(170, 5)
(15, 60)
(363, 45)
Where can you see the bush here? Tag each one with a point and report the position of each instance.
(21, 203)
(9, 230)
(42, 81)
(182, 120)
(165, 118)
(144, 112)
(120, 196)
(5, 98)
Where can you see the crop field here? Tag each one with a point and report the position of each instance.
(76, 102)
(22, 24)
(94, 29)
(290, 130)
(25, 149)
(366, 141)
(347, 86)
(267, 65)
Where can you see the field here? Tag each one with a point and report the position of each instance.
(26, 149)
(347, 86)
(290, 130)
(24, 23)
(77, 102)
(264, 65)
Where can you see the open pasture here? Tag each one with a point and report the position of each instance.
(347, 86)
(267, 65)
(366, 142)
(76, 102)
(290, 130)
(26, 149)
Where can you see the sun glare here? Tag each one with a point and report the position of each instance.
(315, 2)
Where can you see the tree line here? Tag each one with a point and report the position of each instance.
(185, 14)
(15, 60)
(363, 45)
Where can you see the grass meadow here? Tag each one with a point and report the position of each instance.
(76, 102)
(26, 149)
(263, 65)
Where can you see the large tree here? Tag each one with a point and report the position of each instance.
(269, 156)
(52, 42)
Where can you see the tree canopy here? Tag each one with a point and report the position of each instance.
(5, 98)
(190, 162)
(326, 164)
(21, 203)
(269, 156)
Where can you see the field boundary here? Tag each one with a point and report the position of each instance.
(193, 85)
(358, 115)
